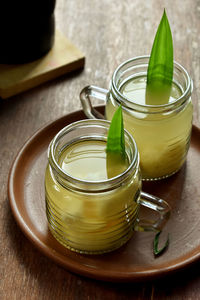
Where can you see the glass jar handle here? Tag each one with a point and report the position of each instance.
(86, 95)
(158, 205)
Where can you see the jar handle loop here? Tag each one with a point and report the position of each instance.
(87, 94)
(158, 205)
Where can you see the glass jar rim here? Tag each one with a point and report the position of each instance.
(158, 108)
(80, 183)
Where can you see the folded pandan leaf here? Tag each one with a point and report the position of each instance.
(116, 154)
(160, 67)
(115, 140)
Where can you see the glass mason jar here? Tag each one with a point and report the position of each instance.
(162, 132)
(96, 216)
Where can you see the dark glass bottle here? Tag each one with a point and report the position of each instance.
(27, 30)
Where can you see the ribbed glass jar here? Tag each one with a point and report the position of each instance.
(91, 216)
(162, 132)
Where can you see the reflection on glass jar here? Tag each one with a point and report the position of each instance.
(162, 132)
(92, 204)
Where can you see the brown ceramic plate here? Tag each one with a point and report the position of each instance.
(134, 261)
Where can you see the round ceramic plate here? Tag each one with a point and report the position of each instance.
(132, 262)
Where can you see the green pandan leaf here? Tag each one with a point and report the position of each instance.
(160, 68)
(116, 162)
(157, 251)
(115, 140)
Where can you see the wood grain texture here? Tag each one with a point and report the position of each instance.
(64, 57)
(107, 32)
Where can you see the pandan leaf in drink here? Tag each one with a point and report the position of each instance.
(115, 140)
(115, 150)
(160, 67)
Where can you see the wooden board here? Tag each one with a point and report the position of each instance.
(64, 57)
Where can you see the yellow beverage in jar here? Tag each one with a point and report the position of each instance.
(87, 221)
(162, 136)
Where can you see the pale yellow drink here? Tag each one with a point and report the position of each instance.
(90, 221)
(162, 135)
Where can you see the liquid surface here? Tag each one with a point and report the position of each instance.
(87, 160)
(135, 90)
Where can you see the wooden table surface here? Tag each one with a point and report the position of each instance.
(107, 32)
